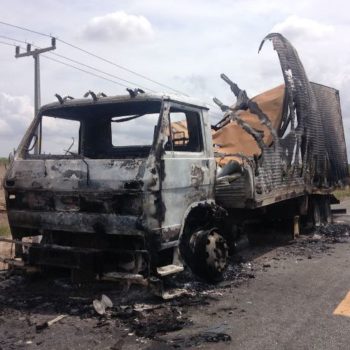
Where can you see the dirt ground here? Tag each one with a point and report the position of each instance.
(5, 250)
(2, 199)
(137, 319)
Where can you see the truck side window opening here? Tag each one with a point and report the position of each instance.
(59, 137)
(134, 130)
(185, 131)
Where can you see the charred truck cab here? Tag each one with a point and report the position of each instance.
(132, 186)
(114, 199)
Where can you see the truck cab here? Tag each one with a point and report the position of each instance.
(113, 183)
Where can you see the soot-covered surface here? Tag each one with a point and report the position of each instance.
(138, 319)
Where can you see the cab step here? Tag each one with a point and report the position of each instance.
(169, 269)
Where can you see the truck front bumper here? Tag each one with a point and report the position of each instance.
(73, 222)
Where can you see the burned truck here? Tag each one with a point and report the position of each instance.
(144, 184)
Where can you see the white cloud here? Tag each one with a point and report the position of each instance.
(118, 26)
(294, 27)
(193, 82)
(16, 112)
(5, 128)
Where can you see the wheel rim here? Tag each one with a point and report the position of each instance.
(210, 251)
(216, 251)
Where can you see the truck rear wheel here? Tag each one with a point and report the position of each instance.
(320, 210)
(316, 213)
(326, 212)
(311, 213)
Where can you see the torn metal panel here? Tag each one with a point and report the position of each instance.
(237, 193)
(302, 98)
(244, 103)
(300, 155)
(229, 138)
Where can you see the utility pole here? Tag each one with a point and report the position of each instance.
(36, 55)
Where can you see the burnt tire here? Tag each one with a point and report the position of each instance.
(320, 210)
(209, 254)
(316, 213)
(326, 212)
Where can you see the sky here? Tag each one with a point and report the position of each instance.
(185, 45)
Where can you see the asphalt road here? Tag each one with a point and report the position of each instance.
(288, 305)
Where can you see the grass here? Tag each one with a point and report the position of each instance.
(5, 230)
(342, 194)
(3, 161)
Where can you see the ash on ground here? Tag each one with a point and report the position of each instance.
(29, 301)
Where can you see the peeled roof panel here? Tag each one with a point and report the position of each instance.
(232, 139)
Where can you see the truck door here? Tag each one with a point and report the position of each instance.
(188, 165)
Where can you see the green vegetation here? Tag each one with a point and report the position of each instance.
(343, 193)
(4, 230)
(3, 161)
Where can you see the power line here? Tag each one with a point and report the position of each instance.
(13, 39)
(26, 29)
(85, 71)
(70, 65)
(88, 66)
(8, 44)
(101, 71)
(93, 55)
(80, 63)
(122, 67)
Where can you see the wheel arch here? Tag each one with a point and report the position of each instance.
(200, 220)
(209, 207)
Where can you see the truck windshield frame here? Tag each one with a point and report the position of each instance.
(95, 133)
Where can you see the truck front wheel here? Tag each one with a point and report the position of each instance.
(209, 254)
